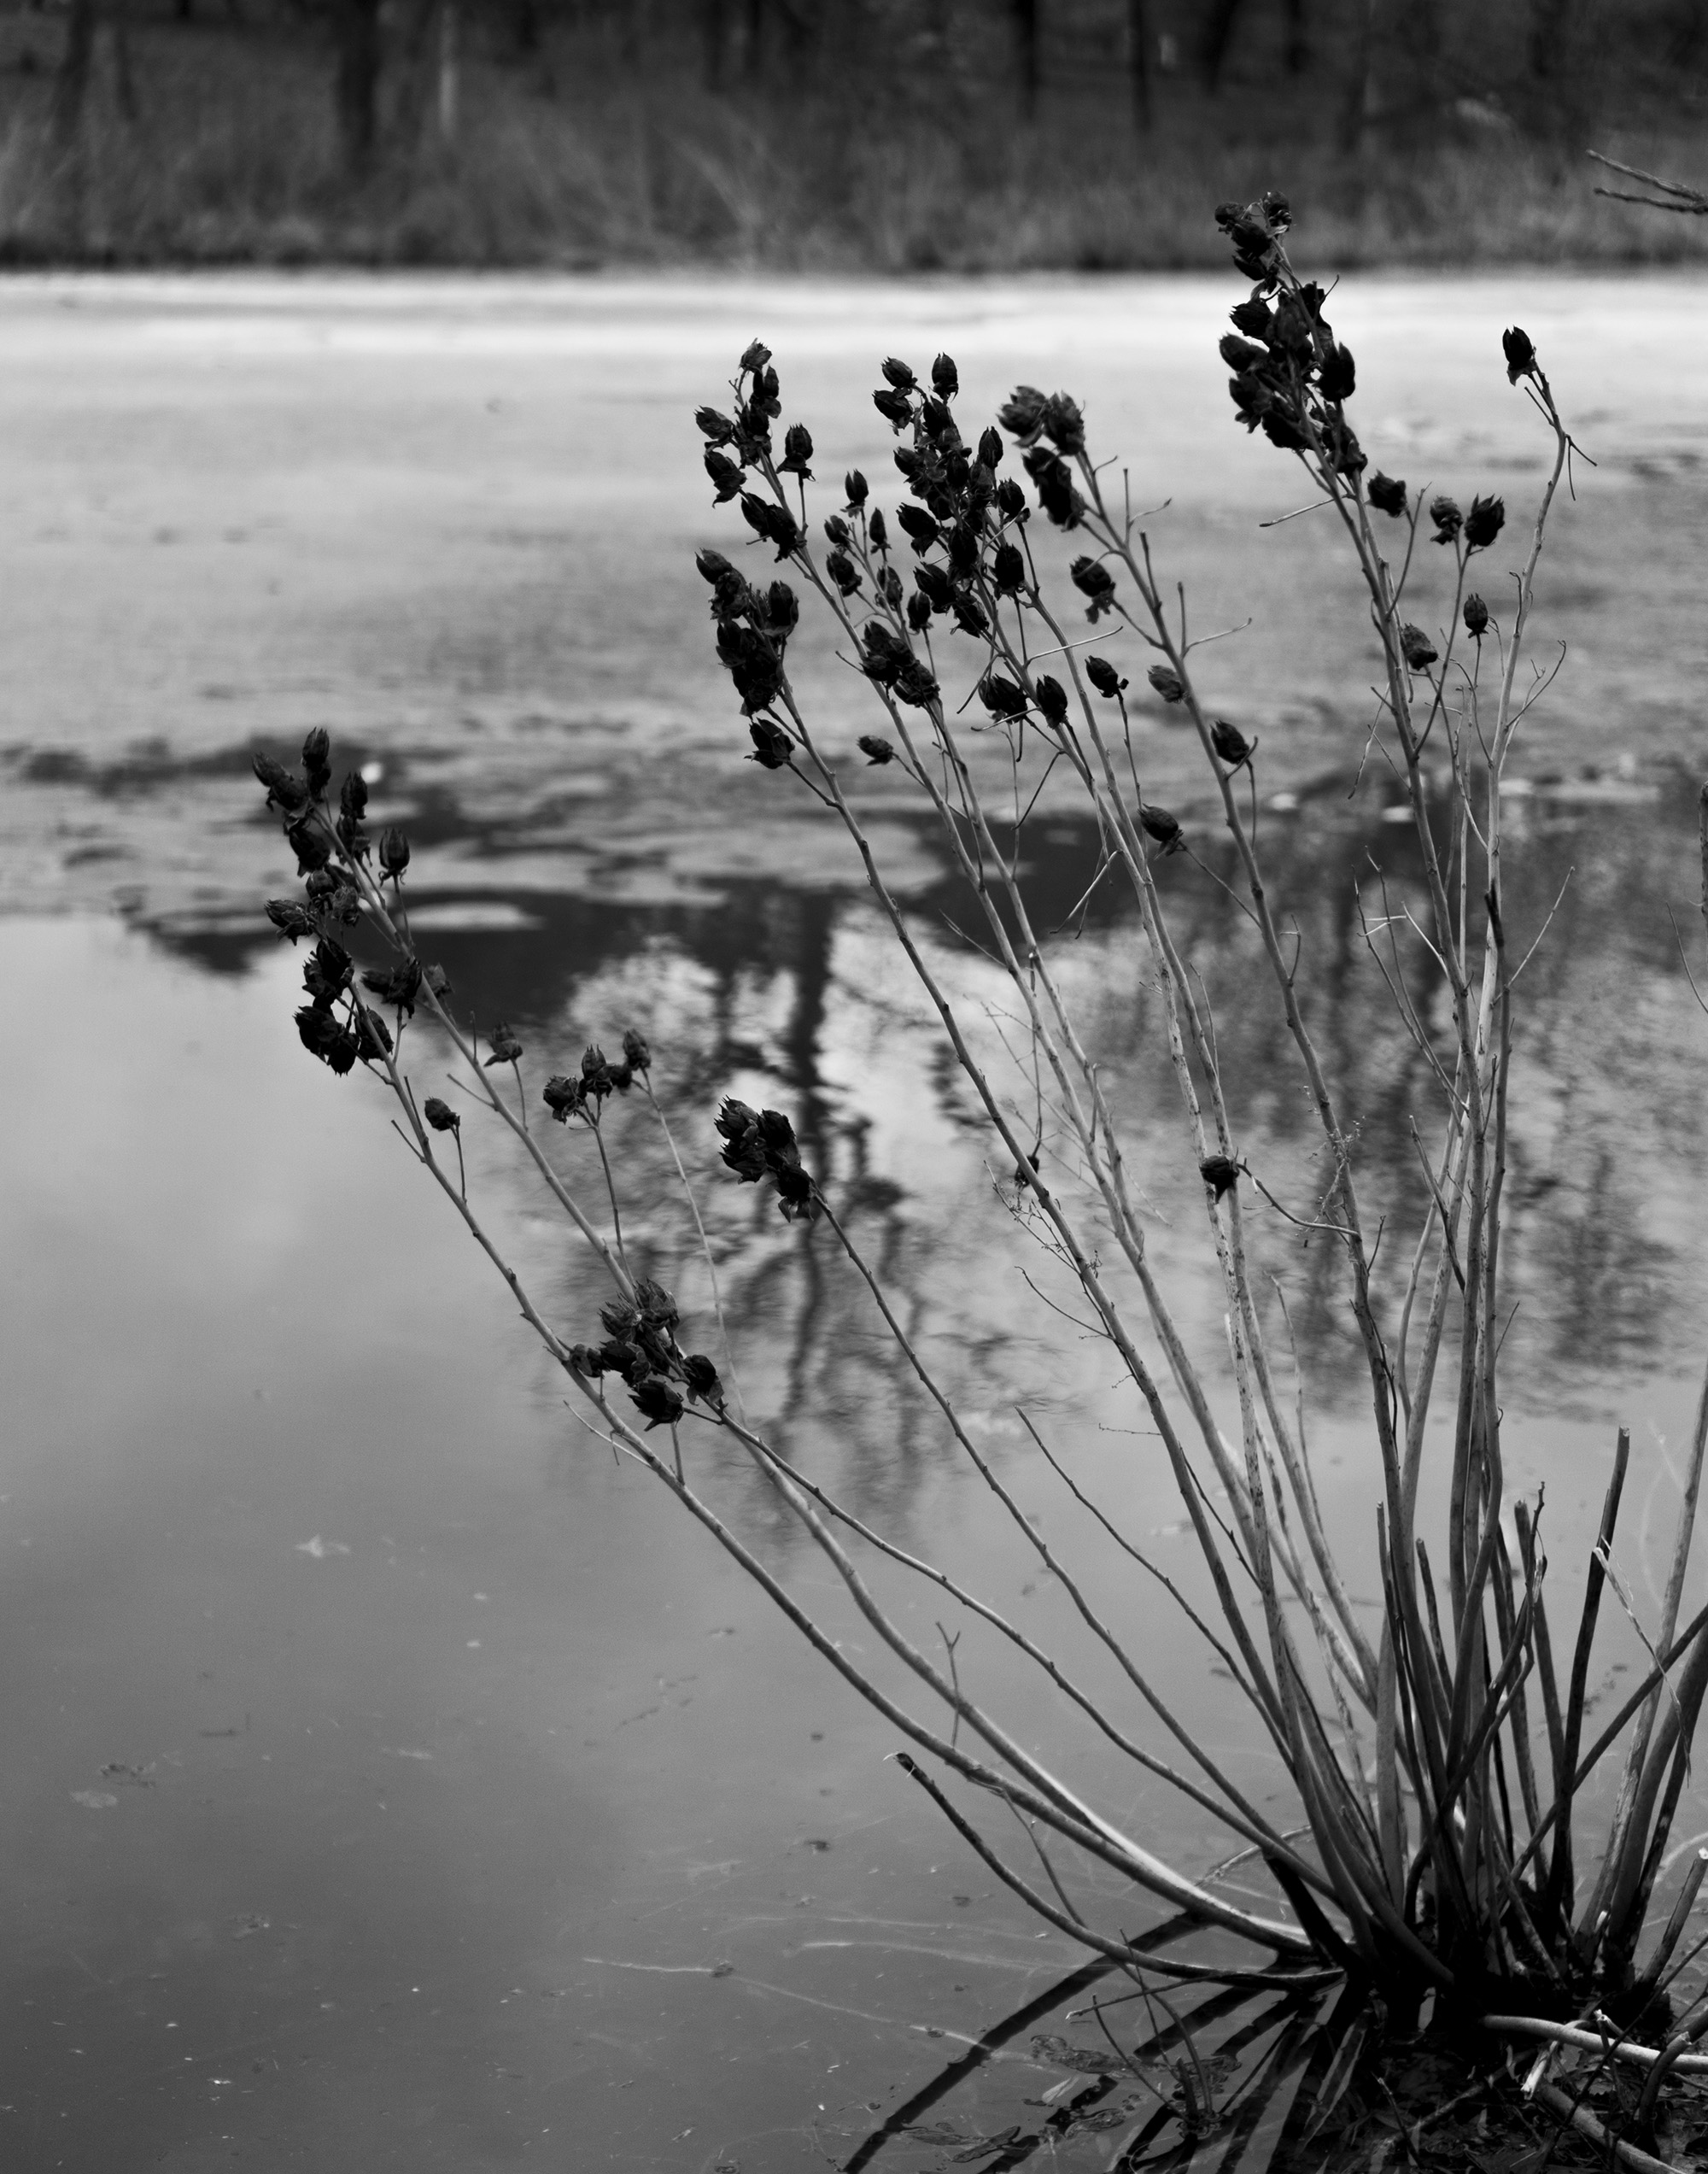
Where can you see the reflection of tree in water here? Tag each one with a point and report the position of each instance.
(796, 997)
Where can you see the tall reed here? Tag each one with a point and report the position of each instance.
(1434, 1747)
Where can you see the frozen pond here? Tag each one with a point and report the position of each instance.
(394, 1783)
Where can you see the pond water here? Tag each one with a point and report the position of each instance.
(396, 1782)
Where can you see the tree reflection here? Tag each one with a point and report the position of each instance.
(789, 996)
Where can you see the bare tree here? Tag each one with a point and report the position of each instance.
(1298, 49)
(71, 85)
(358, 79)
(713, 23)
(1549, 22)
(450, 70)
(1139, 59)
(1026, 24)
(1220, 18)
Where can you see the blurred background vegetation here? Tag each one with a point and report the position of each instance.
(840, 135)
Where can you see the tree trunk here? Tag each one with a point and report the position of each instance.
(1548, 35)
(450, 70)
(714, 27)
(1360, 82)
(71, 85)
(1138, 60)
(1218, 22)
(1298, 51)
(115, 36)
(357, 82)
(1026, 41)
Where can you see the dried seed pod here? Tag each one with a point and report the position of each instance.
(1000, 696)
(398, 985)
(842, 571)
(289, 918)
(856, 487)
(1230, 743)
(659, 1403)
(1093, 579)
(1447, 519)
(322, 1036)
(506, 1048)
(1337, 376)
(718, 429)
(727, 481)
(1052, 700)
(921, 531)
(1163, 826)
(1240, 354)
(311, 845)
(1521, 355)
(1485, 522)
(1064, 425)
(875, 748)
(743, 1151)
(394, 852)
(1104, 677)
(797, 458)
(1386, 494)
(637, 1050)
(899, 374)
(946, 378)
(1168, 684)
(773, 749)
(441, 1115)
(1476, 618)
(796, 1195)
(658, 1306)
(563, 1097)
(700, 1376)
(774, 523)
(1021, 415)
(373, 1036)
(317, 750)
(1057, 494)
(1416, 648)
(1220, 1173)
(990, 448)
(327, 971)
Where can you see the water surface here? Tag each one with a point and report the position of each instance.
(398, 1783)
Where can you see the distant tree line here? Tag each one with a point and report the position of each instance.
(1346, 69)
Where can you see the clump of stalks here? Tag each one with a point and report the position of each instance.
(1436, 1750)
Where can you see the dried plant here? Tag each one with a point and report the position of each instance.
(1434, 1747)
